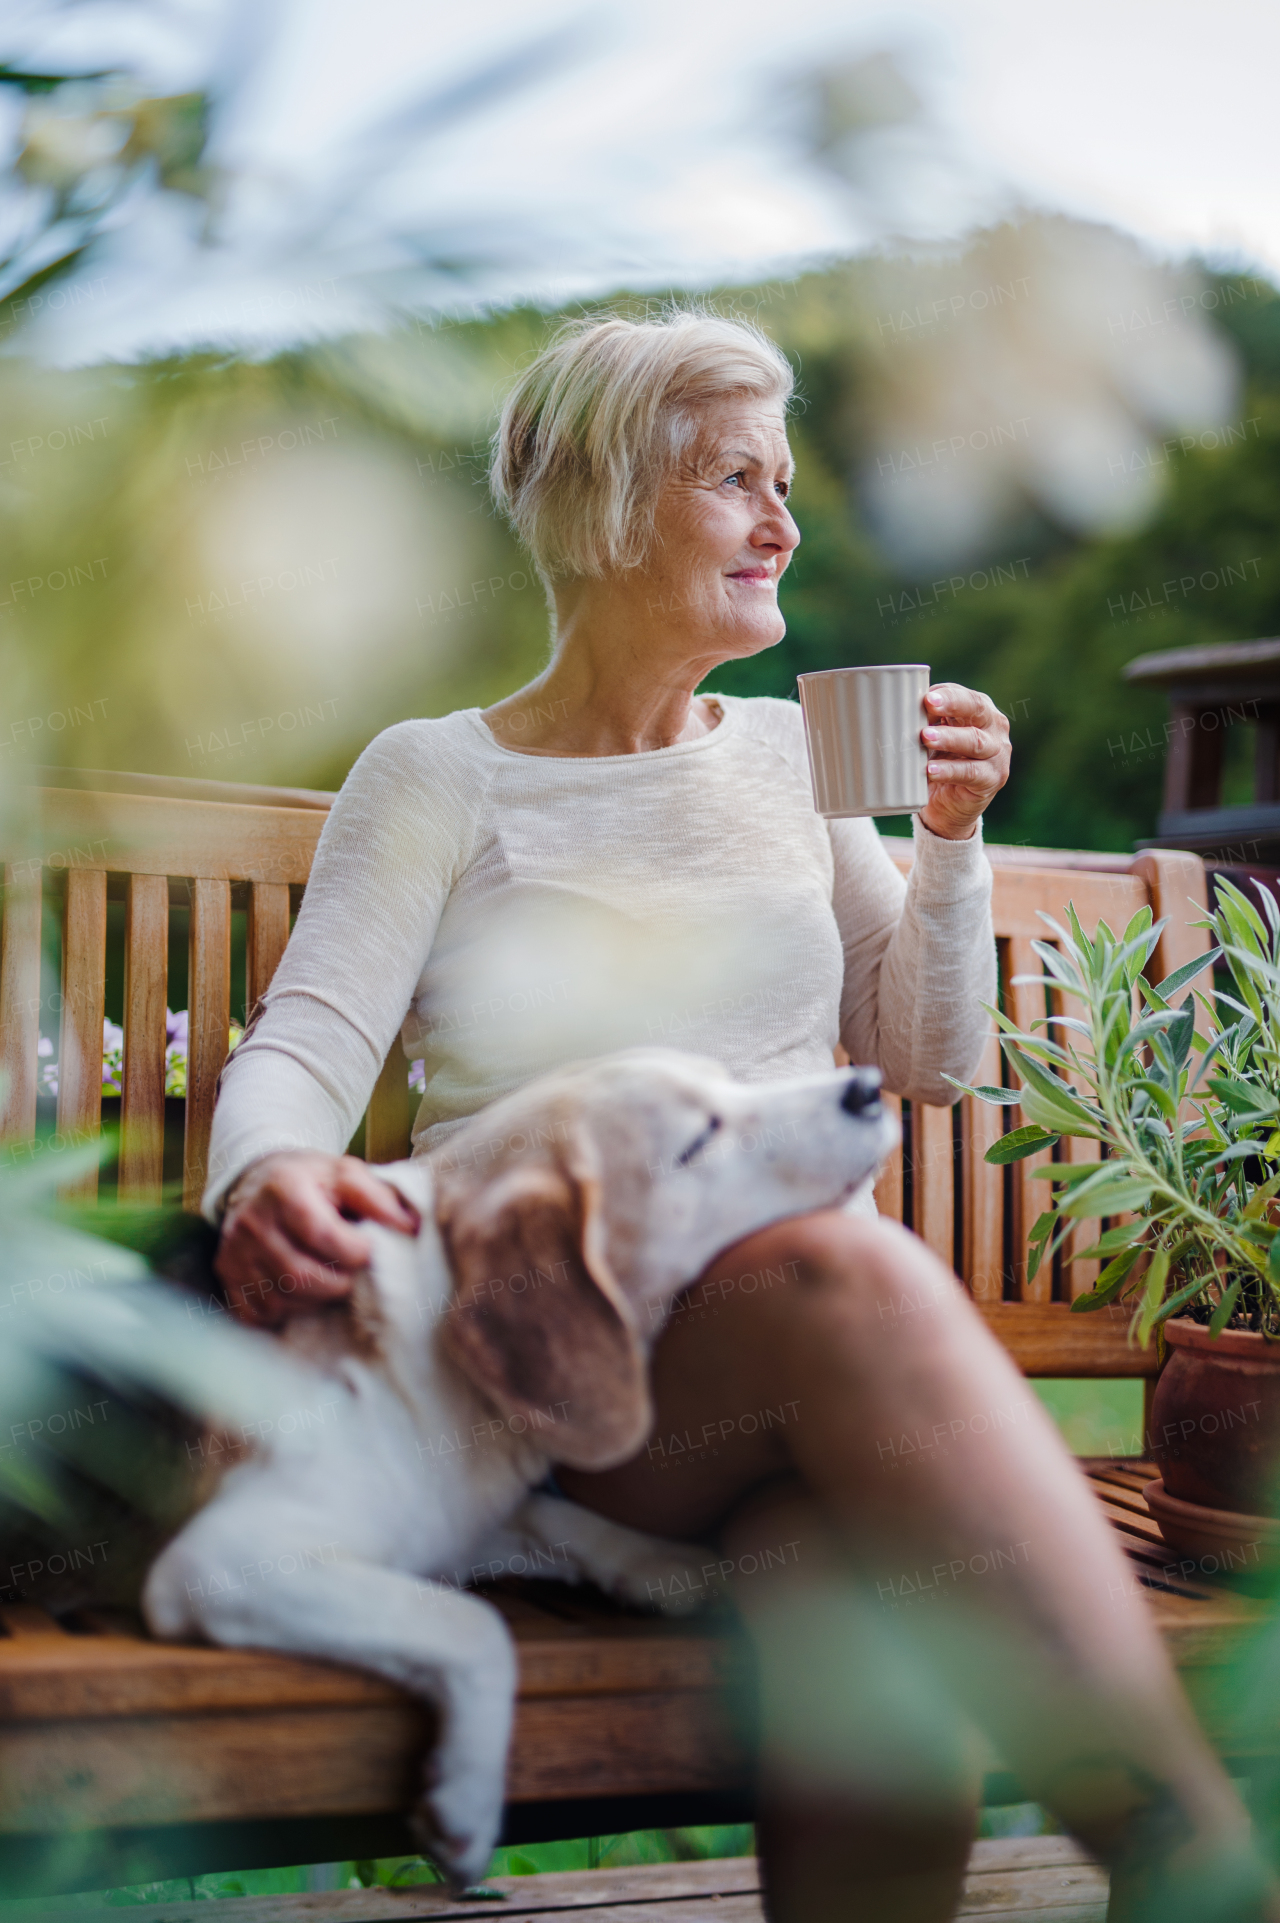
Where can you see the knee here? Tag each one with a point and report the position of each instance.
(830, 1245)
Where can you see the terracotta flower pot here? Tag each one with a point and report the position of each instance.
(1215, 1437)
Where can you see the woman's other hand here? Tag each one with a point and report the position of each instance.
(967, 739)
(288, 1243)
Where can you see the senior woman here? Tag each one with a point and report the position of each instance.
(608, 812)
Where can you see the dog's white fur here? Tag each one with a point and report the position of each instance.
(352, 1539)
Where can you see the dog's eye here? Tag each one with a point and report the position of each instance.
(699, 1142)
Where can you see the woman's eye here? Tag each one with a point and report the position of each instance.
(740, 478)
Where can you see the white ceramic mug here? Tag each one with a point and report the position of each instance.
(863, 729)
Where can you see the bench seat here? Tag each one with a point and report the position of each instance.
(118, 1754)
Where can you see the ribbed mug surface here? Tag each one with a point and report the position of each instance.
(863, 729)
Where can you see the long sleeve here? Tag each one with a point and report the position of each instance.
(393, 844)
(920, 957)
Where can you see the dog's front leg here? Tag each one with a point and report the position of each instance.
(448, 1648)
(556, 1539)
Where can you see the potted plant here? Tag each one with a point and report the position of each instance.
(1187, 1185)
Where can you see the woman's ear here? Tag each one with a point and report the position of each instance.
(537, 1322)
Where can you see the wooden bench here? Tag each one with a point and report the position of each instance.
(122, 1759)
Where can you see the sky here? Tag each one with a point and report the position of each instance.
(1156, 115)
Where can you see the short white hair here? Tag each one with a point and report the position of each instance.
(603, 416)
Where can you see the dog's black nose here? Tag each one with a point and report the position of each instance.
(862, 1091)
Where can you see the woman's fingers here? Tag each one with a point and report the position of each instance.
(266, 1275)
(949, 700)
(966, 772)
(312, 1223)
(967, 740)
(288, 1239)
(977, 744)
(365, 1195)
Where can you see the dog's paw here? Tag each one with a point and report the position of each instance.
(672, 1578)
(456, 1824)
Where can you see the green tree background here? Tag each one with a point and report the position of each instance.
(180, 501)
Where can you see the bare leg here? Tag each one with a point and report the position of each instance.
(974, 1543)
(868, 1789)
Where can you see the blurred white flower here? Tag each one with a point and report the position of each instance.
(60, 147)
(1026, 369)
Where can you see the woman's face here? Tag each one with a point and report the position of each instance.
(724, 536)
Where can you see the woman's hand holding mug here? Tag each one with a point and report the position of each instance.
(967, 741)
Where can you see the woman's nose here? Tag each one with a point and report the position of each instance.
(778, 530)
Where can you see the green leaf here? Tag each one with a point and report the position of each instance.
(1273, 1261)
(1078, 935)
(1050, 1087)
(1160, 1096)
(1179, 1299)
(1152, 1294)
(1034, 1044)
(1006, 1097)
(1169, 987)
(1108, 1198)
(1261, 1196)
(1243, 1098)
(1108, 1284)
(1060, 966)
(1135, 951)
(1040, 1234)
(1220, 1041)
(1238, 910)
(1144, 1030)
(1018, 1143)
(1222, 1314)
(1124, 1235)
(1180, 1032)
(1070, 1171)
(1235, 1152)
(1054, 1117)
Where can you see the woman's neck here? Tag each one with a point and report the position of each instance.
(608, 690)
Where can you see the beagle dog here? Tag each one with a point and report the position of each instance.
(511, 1335)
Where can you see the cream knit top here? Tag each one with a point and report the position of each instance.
(508, 912)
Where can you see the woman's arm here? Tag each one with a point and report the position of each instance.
(296, 1087)
(920, 955)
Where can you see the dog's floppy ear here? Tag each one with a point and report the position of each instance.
(537, 1322)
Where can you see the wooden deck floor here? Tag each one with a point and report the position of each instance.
(1036, 1876)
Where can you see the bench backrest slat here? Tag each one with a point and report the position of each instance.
(982, 1256)
(268, 933)
(217, 855)
(84, 982)
(20, 998)
(146, 982)
(209, 1019)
